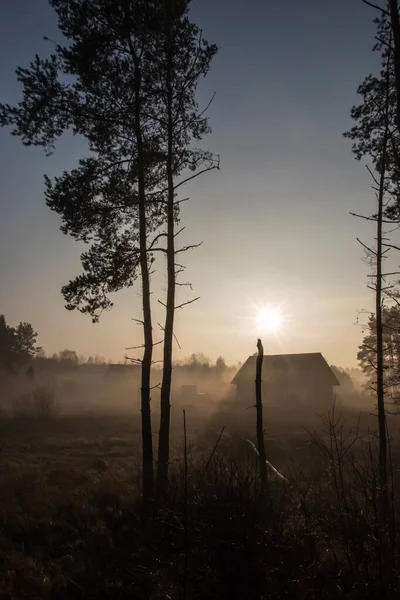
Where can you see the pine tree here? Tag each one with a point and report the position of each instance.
(100, 86)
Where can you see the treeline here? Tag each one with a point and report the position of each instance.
(17, 345)
(19, 350)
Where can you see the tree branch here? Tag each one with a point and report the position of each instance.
(384, 43)
(185, 181)
(176, 339)
(186, 284)
(185, 248)
(390, 222)
(180, 231)
(382, 10)
(363, 217)
(142, 346)
(186, 303)
(391, 246)
(372, 175)
(155, 240)
(366, 247)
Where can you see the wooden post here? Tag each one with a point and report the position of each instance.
(260, 430)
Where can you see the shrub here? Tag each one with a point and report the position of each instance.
(44, 402)
(41, 403)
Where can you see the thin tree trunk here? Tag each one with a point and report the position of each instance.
(147, 441)
(165, 409)
(260, 429)
(378, 304)
(395, 22)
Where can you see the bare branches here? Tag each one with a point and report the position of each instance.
(205, 109)
(205, 170)
(176, 339)
(137, 361)
(373, 252)
(380, 8)
(384, 42)
(391, 246)
(177, 202)
(388, 221)
(363, 217)
(155, 240)
(190, 247)
(138, 321)
(372, 174)
(142, 346)
(184, 284)
(390, 274)
(179, 231)
(180, 305)
(187, 302)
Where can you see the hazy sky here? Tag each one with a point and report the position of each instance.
(274, 221)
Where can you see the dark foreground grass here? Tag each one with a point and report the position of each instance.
(72, 525)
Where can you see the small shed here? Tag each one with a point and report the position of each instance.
(288, 379)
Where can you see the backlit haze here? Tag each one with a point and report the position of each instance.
(275, 225)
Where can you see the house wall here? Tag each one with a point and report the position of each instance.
(286, 392)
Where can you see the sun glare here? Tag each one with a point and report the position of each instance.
(269, 320)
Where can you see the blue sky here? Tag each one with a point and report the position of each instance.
(274, 220)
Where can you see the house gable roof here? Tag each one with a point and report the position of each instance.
(285, 365)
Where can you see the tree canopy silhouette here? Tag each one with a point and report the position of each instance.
(17, 345)
(125, 80)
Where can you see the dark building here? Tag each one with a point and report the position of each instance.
(288, 379)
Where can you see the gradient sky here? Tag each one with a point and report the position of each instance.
(274, 221)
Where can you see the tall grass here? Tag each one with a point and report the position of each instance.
(74, 530)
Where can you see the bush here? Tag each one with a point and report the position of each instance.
(44, 402)
(41, 403)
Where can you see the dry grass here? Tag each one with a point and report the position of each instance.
(71, 524)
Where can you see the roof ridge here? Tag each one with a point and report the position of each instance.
(291, 354)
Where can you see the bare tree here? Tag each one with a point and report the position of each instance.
(183, 57)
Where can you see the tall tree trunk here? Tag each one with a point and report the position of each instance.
(147, 441)
(395, 22)
(378, 303)
(165, 417)
(259, 410)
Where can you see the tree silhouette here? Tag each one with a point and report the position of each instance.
(17, 345)
(126, 81)
(391, 352)
(100, 86)
(376, 136)
(183, 57)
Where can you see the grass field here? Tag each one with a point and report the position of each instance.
(72, 524)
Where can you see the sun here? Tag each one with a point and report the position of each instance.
(269, 320)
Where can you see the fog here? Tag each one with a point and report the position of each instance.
(204, 390)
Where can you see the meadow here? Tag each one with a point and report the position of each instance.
(72, 524)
